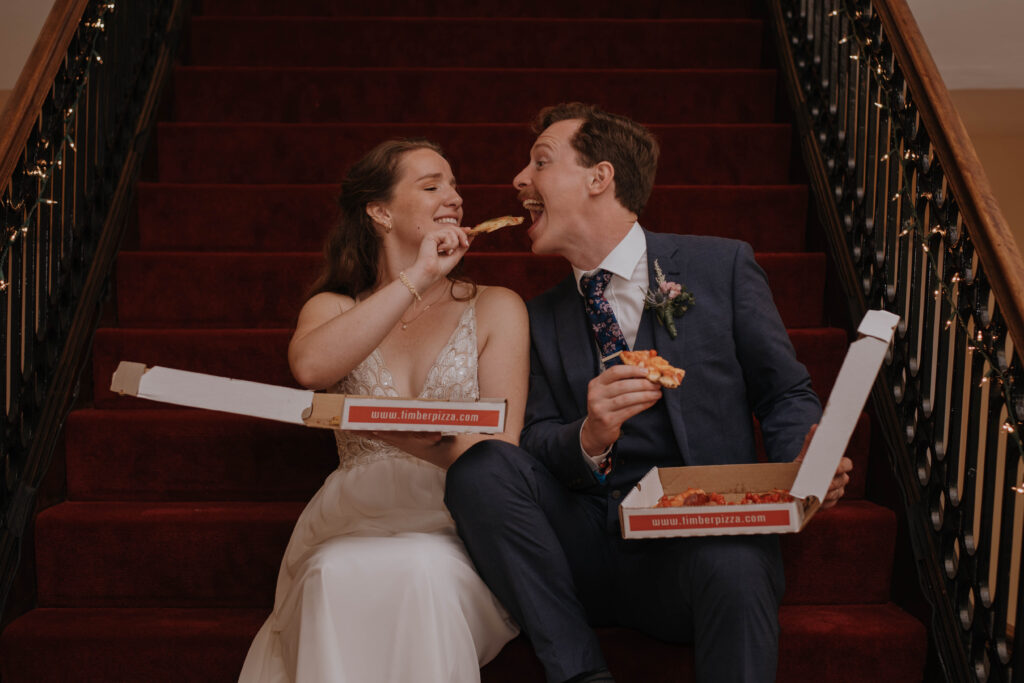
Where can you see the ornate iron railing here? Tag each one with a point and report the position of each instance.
(71, 141)
(914, 229)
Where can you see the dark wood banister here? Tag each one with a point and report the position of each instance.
(35, 81)
(990, 233)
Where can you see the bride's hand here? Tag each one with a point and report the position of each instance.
(440, 251)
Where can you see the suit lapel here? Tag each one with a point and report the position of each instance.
(673, 265)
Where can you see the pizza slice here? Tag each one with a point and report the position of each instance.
(495, 224)
(691, 497)
(658, 369)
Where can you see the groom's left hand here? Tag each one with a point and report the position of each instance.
(837, 488)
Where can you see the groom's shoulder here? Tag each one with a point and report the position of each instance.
(695, 244)
(564, 287)
(546, 300)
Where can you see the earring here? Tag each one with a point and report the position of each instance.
(387, 227)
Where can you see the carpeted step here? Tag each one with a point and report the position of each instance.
(257, 355)
(183, 217)
(260, 355)
(483, 42)
(848, 644)
(878, 643)
(227, 554)
(475, 95)
(208, 287)
(692, 154)
(652, 9)
(163, 454)
(161, 645)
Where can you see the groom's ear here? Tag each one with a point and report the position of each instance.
(602, 176)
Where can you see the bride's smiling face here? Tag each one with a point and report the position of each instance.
(424, 197)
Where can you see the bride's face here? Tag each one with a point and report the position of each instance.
(424, 196)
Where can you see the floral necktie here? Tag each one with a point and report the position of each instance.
(606, 328)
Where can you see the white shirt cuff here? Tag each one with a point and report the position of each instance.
(592, 460)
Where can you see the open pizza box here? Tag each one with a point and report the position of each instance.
(807, 482)
(304, 407)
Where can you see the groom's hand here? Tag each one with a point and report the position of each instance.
(614, 396)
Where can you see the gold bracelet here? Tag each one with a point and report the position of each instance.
(405, 281)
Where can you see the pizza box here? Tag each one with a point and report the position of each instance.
(807, 482)
(305, 407)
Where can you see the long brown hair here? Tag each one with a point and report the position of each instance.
(353, 246)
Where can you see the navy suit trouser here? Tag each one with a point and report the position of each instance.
(548, 556)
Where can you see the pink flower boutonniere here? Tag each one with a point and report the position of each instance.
(669, 301)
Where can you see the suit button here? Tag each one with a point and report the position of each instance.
(616, 494)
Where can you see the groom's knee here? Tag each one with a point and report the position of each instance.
(481, 476)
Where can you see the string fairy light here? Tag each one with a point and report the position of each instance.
(41, 169)
(889, 97)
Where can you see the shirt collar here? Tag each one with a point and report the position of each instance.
(622, 259)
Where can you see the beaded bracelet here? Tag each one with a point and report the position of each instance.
(405, 281)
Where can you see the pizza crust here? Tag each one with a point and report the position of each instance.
(495, 224)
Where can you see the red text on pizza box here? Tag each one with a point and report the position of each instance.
(305, 407)
(806, 483)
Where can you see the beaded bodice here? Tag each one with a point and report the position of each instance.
(452, 377)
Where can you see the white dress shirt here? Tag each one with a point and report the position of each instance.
(627, 263)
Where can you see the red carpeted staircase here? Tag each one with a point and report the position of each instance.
(161, 564)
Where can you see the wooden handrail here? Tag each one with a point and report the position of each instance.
(35, 81)
(990, 233)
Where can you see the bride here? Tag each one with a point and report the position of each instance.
(375, 585)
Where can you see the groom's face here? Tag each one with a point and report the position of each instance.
(553, 188)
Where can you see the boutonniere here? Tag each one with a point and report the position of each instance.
(669, 301)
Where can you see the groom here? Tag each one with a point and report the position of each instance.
(542, 527)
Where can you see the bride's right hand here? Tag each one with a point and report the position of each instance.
(440, 250)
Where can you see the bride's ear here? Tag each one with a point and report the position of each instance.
(379, 215)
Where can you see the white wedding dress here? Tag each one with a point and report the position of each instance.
(375, 585)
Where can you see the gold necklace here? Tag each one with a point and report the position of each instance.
(406, 323)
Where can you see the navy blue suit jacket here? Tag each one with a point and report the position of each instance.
(732, 343)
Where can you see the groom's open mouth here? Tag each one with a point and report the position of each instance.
(535, 207)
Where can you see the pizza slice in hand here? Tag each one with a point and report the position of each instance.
(495, 224)
(658, 369)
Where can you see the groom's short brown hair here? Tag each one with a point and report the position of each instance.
(628, 146)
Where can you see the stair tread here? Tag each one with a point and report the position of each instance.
(159, 452)
(274, 285)
(170, 644)
(177, 553)
(260, 355)
(475, 8)
(336, 95)
(327, 41)
(482, 153)
(206, 217)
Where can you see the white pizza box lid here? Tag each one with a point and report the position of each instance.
(845, 404)
(305, 407)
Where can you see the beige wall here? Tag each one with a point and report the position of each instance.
(995, 122)
(20, 22)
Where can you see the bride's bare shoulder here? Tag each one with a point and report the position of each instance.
(324, 306)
